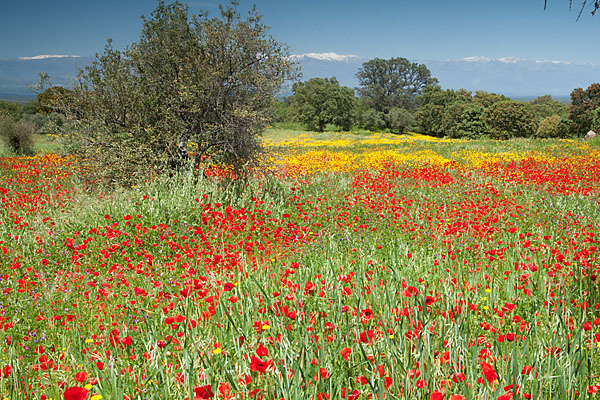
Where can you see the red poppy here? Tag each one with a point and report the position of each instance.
(257, 365)
(346, 351)
(81, 376)
(488, 371)
(75, 393)
(410, 291)
(262, 351)
(203, 392)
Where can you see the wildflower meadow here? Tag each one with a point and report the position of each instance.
(350, 266)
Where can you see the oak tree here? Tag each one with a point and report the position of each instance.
(192, 88)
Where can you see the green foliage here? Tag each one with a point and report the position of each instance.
(509, 119)
(596, 121)
(11, 109)
(53, 99)
(281, 111)
(18, 135)
(30, 108)
(471, 125)
(564, 128)
(548, 127)
(442, 110)
(452, 117)
(385, 84)
(583, 104)
(429, 118)
(486, 99)
(554, 126)
(399, 119)
(434, 94)
(192, 88)
(322, 101)
(372, 120)
(545, 106)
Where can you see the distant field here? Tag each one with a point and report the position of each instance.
(352, 266)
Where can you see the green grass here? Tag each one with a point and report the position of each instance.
(427, 267)
(43, 144)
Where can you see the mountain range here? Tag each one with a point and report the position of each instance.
(514, 77)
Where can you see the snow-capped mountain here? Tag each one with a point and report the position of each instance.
(17, 74)
(334, 57)
(514, 76)
(511, 76)
(47, 56)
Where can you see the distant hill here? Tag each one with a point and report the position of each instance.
(17, 74)
(513, 77)
(510, 76)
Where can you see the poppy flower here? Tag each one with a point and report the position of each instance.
(488, 372)
(345, 353)
(203, 392)
(257, 365)
(262, 351)
(75, 393)
(81, 377)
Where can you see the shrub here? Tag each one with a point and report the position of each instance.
(429, 117)
(12, 109)
(471, 125)
(565, 128)
(548, 127)
(399, 119)
(372, 120)
(509, 119)
(17, 135)
(452, 117)
(596, 121)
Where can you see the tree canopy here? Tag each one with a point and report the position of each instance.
(583, 104)
(321, 101)
(386, 84)
(508, 119)
(192, 88)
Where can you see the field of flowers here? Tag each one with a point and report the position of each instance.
(353, 267)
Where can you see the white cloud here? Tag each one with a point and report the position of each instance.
(331, 56)
(46, 56)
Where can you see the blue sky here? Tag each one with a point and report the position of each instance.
(417, 29)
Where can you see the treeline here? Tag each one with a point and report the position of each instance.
(396, 95)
